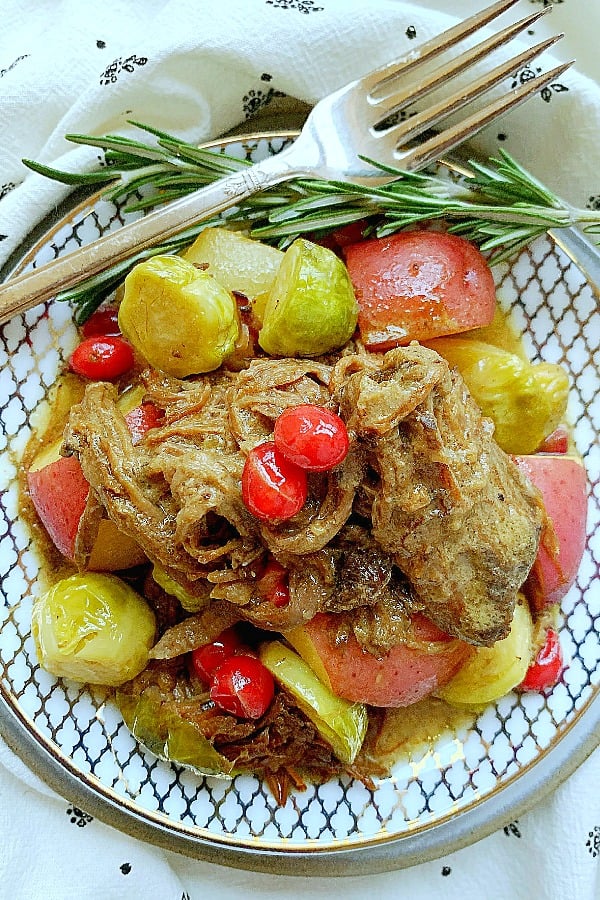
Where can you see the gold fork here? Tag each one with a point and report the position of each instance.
(360, 120)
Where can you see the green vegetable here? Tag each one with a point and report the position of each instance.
(341, 723)
(93, 628)
(189, 602)
(158, 727)
(311, 308)
(526, 401)
(178, 317)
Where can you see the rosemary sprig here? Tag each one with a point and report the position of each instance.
(502, 207)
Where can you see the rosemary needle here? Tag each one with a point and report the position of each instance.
(502, 207)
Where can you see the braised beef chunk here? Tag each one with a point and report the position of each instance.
(166, 607)
(140, 505)
(195, 630)
(282, 739)
(386, 623)
(363, 572)
(424, 491)
(451, 507)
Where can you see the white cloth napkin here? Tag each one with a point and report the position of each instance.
(198, 68)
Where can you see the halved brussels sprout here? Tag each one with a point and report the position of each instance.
(189, 602)
(178, 317)
(311, 308)
(494, 671)
(526, 401)
(168, 735)
(341, 723)
(93, 628)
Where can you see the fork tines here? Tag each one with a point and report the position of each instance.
(388, 92)
(439, 144)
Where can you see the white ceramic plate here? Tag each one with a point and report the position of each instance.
(447, 795)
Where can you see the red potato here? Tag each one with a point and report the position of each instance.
(59, 494)
(406, 675)
(59, 491)
(419, 285)
(562, 481)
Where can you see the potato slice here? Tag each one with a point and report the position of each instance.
(236, 261)
(494, 671)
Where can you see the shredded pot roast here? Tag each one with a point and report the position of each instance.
(425, 513)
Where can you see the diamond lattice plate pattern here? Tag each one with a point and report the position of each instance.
(558, 315)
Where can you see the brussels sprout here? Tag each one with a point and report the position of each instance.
(494, 671)
(341, 723)
(237, 262)
(178, 317)
(93, 628)
(189, 602)
(525, 401)
(165, 733)
(311, 308)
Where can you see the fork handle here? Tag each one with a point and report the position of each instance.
(581, 252)
(20, 293)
